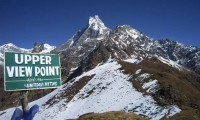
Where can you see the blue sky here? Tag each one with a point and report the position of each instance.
(23, 22)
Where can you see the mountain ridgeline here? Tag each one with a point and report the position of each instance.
(122, 42)
(122, 70)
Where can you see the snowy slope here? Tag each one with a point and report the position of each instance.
(108, 90)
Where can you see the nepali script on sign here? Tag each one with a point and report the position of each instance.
(24, 71)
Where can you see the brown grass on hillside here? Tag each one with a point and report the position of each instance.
(111, 116)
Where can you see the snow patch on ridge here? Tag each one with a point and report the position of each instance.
(150, 86)
(133, 60)
(143, 76)
(170, 63)
(138, 71)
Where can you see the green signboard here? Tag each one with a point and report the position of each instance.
(24, 71)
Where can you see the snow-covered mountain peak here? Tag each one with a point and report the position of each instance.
(12, 47)
(128, 30)
(94, 32)
(96, 24)
(9, 45)
(46, 48)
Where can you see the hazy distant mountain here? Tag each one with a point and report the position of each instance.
(122, 70)
(10, 47)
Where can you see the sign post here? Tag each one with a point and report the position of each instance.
(29, 71)
(23, 95)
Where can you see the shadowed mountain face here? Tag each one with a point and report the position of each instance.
(123, 70)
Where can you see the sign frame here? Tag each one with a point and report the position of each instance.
(34, 88)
